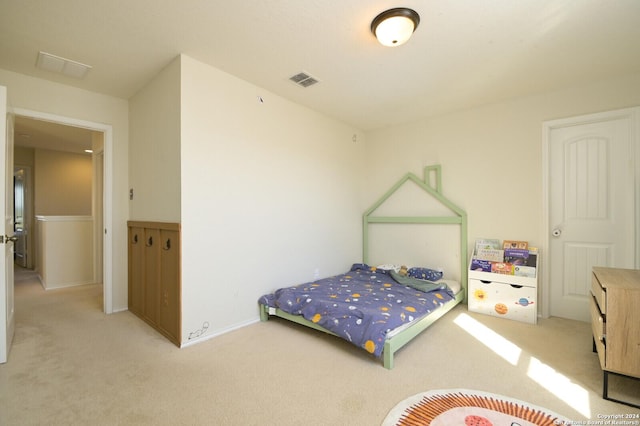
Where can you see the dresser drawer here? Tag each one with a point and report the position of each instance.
(598, 324)
(599, 293)
(598, 327)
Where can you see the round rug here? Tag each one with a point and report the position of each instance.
(469, 408)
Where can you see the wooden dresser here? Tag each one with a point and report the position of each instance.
(154, 253)
(615, 322)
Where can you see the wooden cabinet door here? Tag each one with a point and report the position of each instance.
(151, 274)
(154, 276)
(136, 270)
(170, 292)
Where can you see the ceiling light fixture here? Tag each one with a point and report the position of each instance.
(394, 27)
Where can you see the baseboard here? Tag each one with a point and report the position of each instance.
(64, 285)
(206, 337)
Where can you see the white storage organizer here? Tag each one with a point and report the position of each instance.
(505, 296)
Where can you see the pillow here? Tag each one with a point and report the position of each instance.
(389, 267)
(418, 284)
(425, 274)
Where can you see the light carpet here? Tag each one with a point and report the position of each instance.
(468, 407)
(70, 364)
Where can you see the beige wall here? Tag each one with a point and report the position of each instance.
(154, 151)
(269, 195)
(42, 96)
(23, 156)
(271, 191)
(63, 183)
(491, 156)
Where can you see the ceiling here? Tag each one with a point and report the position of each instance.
(465, 53)
(38, 134)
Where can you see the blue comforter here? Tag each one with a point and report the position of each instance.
(361, 306)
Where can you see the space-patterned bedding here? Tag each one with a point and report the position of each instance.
(362, 305)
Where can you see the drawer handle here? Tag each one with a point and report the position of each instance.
(515, 285)
(485, 282)
(135, 239)
(167, 246)
(150, 242)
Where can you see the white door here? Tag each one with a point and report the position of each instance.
(6, 229)
(591, 191)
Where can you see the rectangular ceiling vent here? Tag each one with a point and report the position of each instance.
(303, 79)
(49, 62)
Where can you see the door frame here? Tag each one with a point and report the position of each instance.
(107, 209)
(7, 291)
(547, 127)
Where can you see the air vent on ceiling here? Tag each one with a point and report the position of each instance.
(303, 79)
(49, 62)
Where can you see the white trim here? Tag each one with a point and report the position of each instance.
(107, 130)
(65, 285)
(547, 127)
(219, 333)
(64, 218)
(7, 320)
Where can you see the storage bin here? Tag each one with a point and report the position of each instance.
(512, 297)
(504, 300)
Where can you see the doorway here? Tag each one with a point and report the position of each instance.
(102, 196)
(22, 206)
(590, 205)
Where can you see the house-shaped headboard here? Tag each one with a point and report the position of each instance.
(433, 189)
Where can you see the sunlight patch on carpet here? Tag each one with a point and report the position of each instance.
(560, 385)
(556, 383)
(498, 344)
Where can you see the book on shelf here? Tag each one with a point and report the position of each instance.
(487, 243)
(502, 268)
(513, 244)
(480, 265)
(524, 271)
(513, 257)
(492, 255)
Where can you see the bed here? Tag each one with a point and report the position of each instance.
(380, 307)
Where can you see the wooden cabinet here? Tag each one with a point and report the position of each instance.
(615, 322)
(136, 271)
(154, 276)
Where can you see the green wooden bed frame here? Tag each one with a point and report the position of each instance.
(459, 218)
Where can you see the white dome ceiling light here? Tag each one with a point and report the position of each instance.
(394, 27)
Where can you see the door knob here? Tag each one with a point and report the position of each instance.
(556, 232)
